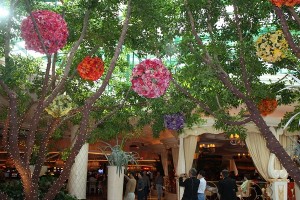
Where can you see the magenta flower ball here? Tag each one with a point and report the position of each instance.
(53, 30)
(150, 78)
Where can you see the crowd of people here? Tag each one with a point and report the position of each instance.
(195, 185)
(141, 185)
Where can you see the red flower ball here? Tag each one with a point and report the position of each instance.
(289, 3)
(267, 106)
(53, 30)
(91, 68)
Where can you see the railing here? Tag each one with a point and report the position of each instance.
(254, 191)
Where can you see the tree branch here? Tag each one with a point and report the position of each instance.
(36, 28)
(294, 14)
(242, 54)
(196, 101)
(43, 148)
(70, 58)
(286, 31)
(105, 82)
(222, 75)
(112, 112)
(205, 107)
(82, 136)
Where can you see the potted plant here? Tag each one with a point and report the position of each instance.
(118, 160)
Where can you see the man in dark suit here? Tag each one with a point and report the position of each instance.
(190, 185)
(227, 187)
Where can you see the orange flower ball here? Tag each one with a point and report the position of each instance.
(267, 106)
(91, 69)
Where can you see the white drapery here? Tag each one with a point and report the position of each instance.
(260, 153)
(164, 160)
(180, 167)
(175, 152)
(190, 143)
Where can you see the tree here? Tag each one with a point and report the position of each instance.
(28, 89)
(228, 68)
(214, 65)
(50, 86)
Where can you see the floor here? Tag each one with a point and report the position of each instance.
(103, 197)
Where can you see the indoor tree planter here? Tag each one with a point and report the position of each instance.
(118, 160)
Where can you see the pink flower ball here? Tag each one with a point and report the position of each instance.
(150, 78)
(53, 30)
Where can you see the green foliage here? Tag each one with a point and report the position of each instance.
(14, 189)
(117, 157)
(19, 71)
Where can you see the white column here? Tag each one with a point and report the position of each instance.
(115, 183)
(180, 167)
(279, 189)
(78, 176)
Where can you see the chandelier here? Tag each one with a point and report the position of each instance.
(243, 156)
(208, 148)
(235, 140)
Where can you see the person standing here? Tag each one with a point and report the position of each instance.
(227, 187)
(190, 184)
(130, 187)
(159, 181)
(147, 184)
(202, 185)
(140, 187)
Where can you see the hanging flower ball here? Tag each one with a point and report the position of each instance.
(150, 78)
(271, 47)
(290, 3)
(174, 121)
(267, 106)
(60, 106)
(91, 68)
(53, 30)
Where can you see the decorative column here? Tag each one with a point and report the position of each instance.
(78, 176)
(279, 188)
(278, 177)
(115, 181)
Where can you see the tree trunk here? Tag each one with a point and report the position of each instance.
(275, 147)
(30, 190)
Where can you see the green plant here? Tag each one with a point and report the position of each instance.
(116, 156)
(34, 155)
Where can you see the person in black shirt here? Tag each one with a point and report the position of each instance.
(227, 187)
(140, 187)
(190, 184)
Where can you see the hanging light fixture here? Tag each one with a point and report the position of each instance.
(243, 155)
(235, 140)
(209, 148)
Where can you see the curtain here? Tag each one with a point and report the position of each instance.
(175, 152)
(164, 160)
(180, 167)
(259, 152)
(190, 143)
